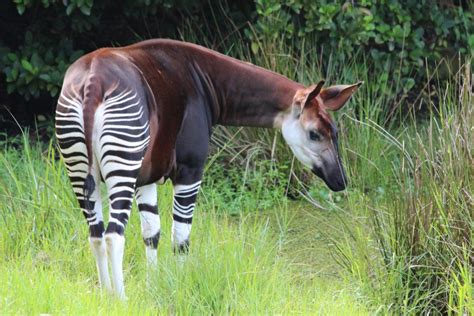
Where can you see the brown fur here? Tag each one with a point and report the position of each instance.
(171, 74)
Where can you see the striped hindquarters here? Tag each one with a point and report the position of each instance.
(71, 139)
(123, 134)
(120, 136)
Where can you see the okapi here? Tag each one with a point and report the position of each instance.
(141, 114)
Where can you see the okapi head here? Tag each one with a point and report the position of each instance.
(311, 133)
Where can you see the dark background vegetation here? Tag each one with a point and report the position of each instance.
(39, 39)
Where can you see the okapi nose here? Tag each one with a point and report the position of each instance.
(340, 181)
(336, 180)
(340, 184)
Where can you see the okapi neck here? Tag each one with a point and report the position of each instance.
(251, 95)
(237, 93)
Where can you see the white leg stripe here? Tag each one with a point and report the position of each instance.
(150, 224)
(184, 188)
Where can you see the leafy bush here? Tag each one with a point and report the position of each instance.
(36, 68)
(41, 38)
(406, 32)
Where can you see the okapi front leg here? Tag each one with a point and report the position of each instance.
(147, 202)
(184, 201)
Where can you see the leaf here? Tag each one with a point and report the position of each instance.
(14, 74)
(86, 10)
(36, 60)
(29, 77)
(471, 42)
(70, 8)
(12, 57)
(409, 84)
(26, 65)
(254, 47)
(275, 7)
(45, 77)
(391, 46)
(54, 91)
(397, 31)
(20, 8)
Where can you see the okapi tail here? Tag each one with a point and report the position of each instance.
(92, 98)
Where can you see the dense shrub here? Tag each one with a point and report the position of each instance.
(409, 33)
(40, 38)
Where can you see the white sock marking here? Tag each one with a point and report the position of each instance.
(100, 253)
(115, 248)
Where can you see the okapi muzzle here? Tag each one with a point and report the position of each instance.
(331, 170)
(312, 135)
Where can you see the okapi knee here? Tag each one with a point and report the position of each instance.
(150, 223)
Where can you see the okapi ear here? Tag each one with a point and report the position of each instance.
(334, 97)
(312, 92)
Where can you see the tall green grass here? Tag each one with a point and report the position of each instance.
(409, 209)
(237, 265)
(418, 257)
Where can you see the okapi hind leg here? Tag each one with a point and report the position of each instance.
(120, 204)
(70, 135)
(122, 129)
(95, 220)
(91, 207)
(147, 202)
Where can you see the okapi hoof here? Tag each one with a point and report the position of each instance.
(182, 248)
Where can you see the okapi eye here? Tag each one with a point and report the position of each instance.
(314, 136)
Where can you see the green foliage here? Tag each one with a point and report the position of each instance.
(46, 36)
(84, 6)
(35, 68)
(404, 32)
(47, 267)
(257, 186)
